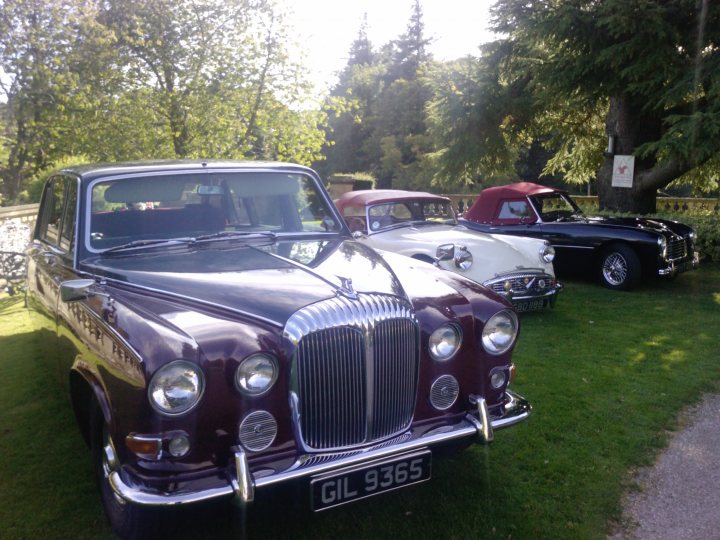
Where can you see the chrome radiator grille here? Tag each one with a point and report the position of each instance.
(676, 249)
(354, 370)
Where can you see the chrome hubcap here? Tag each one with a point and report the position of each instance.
(615, 269)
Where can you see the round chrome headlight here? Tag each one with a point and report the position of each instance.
(463, 258)
(176, 387)
(547, 253)
(444, 342)
(256, 374)
(662, 246)
(500, 332)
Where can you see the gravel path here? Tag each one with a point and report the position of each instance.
(679, 496)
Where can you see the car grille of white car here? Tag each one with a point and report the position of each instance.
(522, 283)
(355, 370)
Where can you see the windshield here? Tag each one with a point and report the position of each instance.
(415, 212)
(555, 206)
(189, 206)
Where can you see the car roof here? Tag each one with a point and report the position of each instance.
(365, 197)
(484, 207)
(97, 170)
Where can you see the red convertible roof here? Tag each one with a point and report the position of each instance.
(365, 197)
(483, 209)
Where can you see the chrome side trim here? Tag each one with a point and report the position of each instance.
(242, 484)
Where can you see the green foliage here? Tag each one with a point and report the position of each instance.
(35, 186)
(571, 72)
(382, 129)
(128, 80)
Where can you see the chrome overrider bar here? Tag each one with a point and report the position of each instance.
(674, 267)
(479, 424)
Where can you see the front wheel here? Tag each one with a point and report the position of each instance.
(619, 267)
(128, 521)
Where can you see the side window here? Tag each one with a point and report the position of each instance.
(59, 200)
(67, 236)
(514, 210)
(49, 228)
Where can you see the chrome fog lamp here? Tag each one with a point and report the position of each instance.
(498, 378)
(256, 374)
(179, 446)
(176, 387)
(500, 332)
(547, 253)
(463, 258)
(444, 342)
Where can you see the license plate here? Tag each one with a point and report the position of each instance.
(529, 305)
(369, 479)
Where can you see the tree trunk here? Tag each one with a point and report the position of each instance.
(624, 128)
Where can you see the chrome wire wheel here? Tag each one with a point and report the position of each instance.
(615, 269)
(619, 267)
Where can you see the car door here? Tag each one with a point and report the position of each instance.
(52, 251)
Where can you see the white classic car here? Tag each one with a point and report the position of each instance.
(424, 226)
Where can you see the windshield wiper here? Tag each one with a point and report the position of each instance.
(148, 243)
(235, 234)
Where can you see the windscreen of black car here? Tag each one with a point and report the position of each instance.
(554, 206)
(199, 204)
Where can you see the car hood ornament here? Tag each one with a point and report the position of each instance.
(346, 287)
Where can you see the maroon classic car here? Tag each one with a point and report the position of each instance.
(227, 334)
(619, 251)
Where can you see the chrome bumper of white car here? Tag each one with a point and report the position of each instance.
(242, 483)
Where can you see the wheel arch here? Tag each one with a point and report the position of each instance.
(83, 390)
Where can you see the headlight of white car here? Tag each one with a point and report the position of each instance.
(500, 332)
(547, 253)
(176, 387)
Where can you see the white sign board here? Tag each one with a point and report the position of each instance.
(623, 170)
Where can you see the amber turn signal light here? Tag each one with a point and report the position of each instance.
(143, 446)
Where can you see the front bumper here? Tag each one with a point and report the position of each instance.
(241, 483)
(676, 267)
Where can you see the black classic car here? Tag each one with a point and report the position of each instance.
(227, 334)
(618, 250)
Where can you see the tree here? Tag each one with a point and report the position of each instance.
(122, 80)
(382, 130)
(40, 42)
(644, 73)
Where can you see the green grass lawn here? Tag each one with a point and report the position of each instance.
(607, 373)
